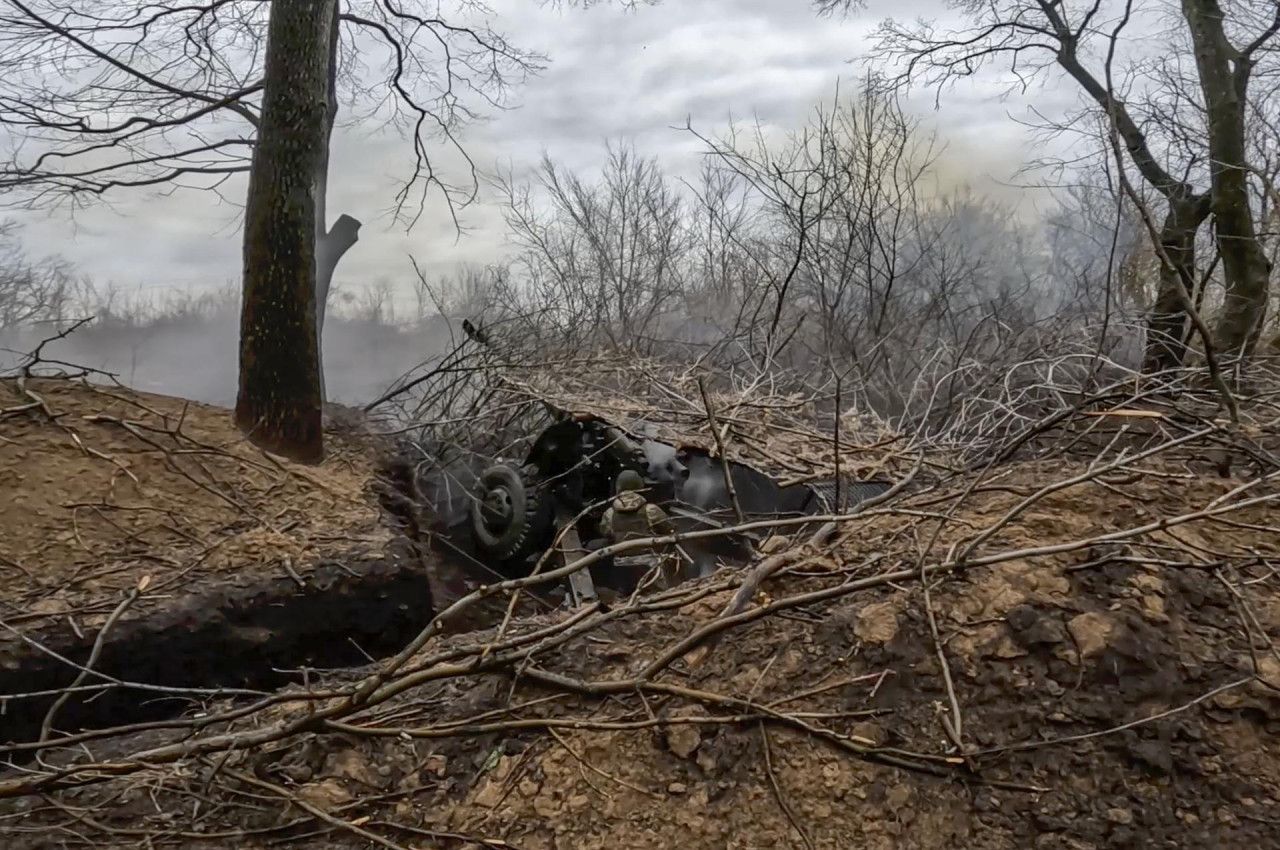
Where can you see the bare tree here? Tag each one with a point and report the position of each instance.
(107, 96)
(1167, 146)
(794, 189)
(607, 258)
(1225, 75)
(850, 238)
(1264, 131)
(34, 291)
(280, 400)
(830, 250)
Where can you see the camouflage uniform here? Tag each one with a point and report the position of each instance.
(631, 517)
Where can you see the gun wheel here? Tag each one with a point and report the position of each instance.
(509, 519)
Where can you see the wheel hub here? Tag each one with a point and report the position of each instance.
(497, 509)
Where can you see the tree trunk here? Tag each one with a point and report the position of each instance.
(329, 250)
(1166, 326)
(1187, 212)
(279, 402)
(331, 245)
(1224, 82)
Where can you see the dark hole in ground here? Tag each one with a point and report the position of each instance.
(257, 637)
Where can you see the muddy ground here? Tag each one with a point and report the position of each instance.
(1100, 672)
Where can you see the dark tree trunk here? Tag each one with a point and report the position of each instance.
(1187, 212)
(1167, 323)
(1224, 80)
(279, 402)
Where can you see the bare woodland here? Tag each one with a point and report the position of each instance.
(832, 249)
(1057, 629)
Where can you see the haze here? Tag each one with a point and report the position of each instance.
(614, 75)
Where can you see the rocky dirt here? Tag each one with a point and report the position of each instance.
(1100, 671)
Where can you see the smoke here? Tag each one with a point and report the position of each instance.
(192, 351)
(921, 270)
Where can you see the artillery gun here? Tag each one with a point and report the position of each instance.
(567, 476)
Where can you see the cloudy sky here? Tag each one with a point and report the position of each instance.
(613, 74)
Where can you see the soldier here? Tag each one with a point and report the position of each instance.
(631, 517)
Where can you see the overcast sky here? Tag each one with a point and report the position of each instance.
(613, 74)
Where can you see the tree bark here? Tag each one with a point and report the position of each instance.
(1186, 212)
(280, 400)
(332, 244)
(1167, 324)
(330, 249)
(1224, 81)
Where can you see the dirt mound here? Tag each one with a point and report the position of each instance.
(148, 525)
(1058, 656)
(109, 486)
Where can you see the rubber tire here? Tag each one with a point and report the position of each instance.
(530, 522)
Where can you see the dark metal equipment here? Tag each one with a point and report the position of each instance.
(569, 473)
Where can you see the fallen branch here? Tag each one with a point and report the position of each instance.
(47, 725)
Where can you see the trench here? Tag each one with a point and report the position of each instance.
(261, 637)
(257, 637)
(256, 640)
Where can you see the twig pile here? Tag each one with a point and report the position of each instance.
(1036, 505)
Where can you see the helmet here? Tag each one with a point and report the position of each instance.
(628, 479)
